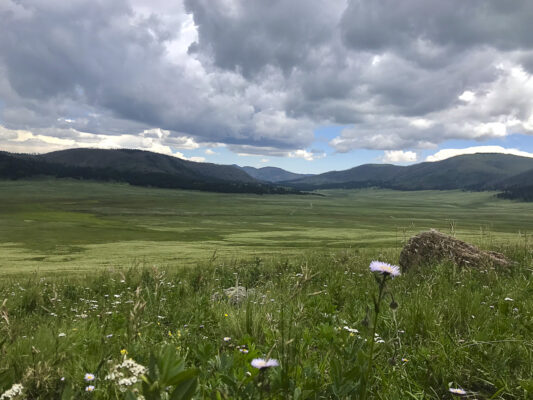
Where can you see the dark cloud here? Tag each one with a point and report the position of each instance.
(259, 76)
(388, 24)
(246, 36)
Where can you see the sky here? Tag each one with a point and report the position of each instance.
(305, 85)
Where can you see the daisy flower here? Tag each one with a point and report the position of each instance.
(384, 268)
(457, 391)
(89, 388)
(261, 363)
(89, 377)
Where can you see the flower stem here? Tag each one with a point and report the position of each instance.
(373, 337)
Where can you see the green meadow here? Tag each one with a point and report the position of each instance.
(110, 291)
(53, 225)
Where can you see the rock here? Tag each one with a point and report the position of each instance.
(433, 246)
(235, 294)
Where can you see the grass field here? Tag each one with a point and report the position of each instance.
(94, 275)
(71, 226)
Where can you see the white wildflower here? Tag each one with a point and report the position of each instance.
(89, 377)
(13, 392)
(261, 363)
(351, 330)
(458, 391)
(384, 268)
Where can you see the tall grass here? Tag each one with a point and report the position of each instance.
(458, 328)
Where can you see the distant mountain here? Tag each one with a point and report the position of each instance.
(136, 167)
(140, 161)
(472, 171)
(508, 173)
(367, 173)
(272, 174)
(518, 187)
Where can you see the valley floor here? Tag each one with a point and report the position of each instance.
(67, 225)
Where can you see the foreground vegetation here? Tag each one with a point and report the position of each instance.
(452, 328)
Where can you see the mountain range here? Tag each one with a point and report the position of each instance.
(472, 172)
(136, 167)
(272, 174)
(510, 174)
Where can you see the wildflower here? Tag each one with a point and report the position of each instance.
(508, 299)
(405, 360)
(227, 339)
(123, 352)
(225, 314)
(351, 330)
(384, 268)
(244, 351)
(126, 374)
(457, 391)
(89, 388)
(109, 336)
(89, 377)
(15, 390)
(261, 363)
(62, 334)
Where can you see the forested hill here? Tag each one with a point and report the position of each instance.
(272, 174)
(135, 167)
(513, 175)
(470, 172)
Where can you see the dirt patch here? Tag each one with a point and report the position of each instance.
(433, 246)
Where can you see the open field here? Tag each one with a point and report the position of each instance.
(71, 226)
(466, 329)
(96, 274)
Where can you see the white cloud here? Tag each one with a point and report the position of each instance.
(184, 157)
(209, 152)
(421, 123)
(306, 155)
(447, 153)
(399, 156)
(467, 96)
(155, 140)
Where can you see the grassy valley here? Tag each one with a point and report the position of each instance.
(100, 279)
(67, 224)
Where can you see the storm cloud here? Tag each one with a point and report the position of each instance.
(259, 77)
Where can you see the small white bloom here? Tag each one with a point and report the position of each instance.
(385, 268)
(458, 391)
(14, 391)
(508, 299)
(89, 388)
(89, 377)
(351, 330)
(62, 334)
(261, 363)
(227, 339)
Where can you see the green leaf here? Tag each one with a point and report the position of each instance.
(182, 377)
(130, 396)
(185, 390)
